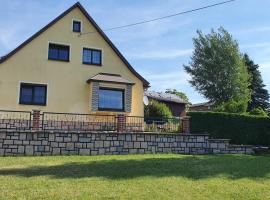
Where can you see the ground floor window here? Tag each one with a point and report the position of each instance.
(111, 99)
(33, 94)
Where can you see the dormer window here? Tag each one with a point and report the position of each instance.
(76, 26)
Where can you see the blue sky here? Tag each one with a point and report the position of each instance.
(157, 50)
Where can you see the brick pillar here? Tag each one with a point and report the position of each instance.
(36, 119)
(186, 124)
(121, 123)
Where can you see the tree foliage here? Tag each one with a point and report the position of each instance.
(157, 109)
(182, 95)
(217, 69)
(232, 107)
(259, 95)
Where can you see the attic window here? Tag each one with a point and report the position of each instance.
(76, 26)
(92, 56)
(58, 52)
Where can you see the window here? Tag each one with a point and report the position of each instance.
(58, 52)
(111, 99)
(76, 26)
(91, 56)
(33, 94)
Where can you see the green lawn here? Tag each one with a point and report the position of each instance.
(162, 176)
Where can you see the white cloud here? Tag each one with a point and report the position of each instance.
(265, 66)
(161, 54)
(162, 80)
(8, 36)
(252, 30)
(254, 45)
(265, 71)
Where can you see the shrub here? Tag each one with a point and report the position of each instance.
(241, 129)
(232, 107)
(258, 112)
(156, 109)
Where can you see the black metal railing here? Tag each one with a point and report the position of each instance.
(26, 120)
(15, 120)
(153, 124)
(78, 122)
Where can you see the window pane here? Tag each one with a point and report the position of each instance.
(53, 53)
(59, 52)
(96, 57)
(87, 56)
(76, 26)
(40, 95)
(111, 99)
(26, 94)
(63, 54)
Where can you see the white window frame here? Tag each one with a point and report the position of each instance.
(37, 83)
(60, 43)
(78, 20)
(92, 47)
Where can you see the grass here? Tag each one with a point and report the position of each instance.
(161, 176)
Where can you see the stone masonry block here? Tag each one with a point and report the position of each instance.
(8, 141)
(74, 138)
(56, 151)
(2, 135)
(137, 145)
(70, 146)
(29, 150)
(200, 139)
(144, 145)
(84, 152)
(21, 149)
(2, 152)
(51, 137)
(107, 143)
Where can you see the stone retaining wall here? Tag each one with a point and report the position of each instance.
(57, 143)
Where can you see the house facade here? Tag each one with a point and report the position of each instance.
(70, 66)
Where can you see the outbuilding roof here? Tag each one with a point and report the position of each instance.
(202, 104)
(161, 96)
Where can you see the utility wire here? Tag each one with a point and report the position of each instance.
(161, 18)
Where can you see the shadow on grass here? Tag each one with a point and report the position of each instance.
(192, 167)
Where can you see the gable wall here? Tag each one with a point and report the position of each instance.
(67, 87)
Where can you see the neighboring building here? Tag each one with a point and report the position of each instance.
(174, 102)
(206, 106)
(62, 69)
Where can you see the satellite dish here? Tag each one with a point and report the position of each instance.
(145, 100)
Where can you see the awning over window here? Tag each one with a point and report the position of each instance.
(110, 78)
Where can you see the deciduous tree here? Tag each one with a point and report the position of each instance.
(217, 68)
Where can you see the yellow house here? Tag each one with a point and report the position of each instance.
(62, 69)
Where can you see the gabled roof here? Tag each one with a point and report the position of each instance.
(86, 14)
(160, 96)
(111, 78)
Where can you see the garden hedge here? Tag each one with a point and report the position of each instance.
(241, 129)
